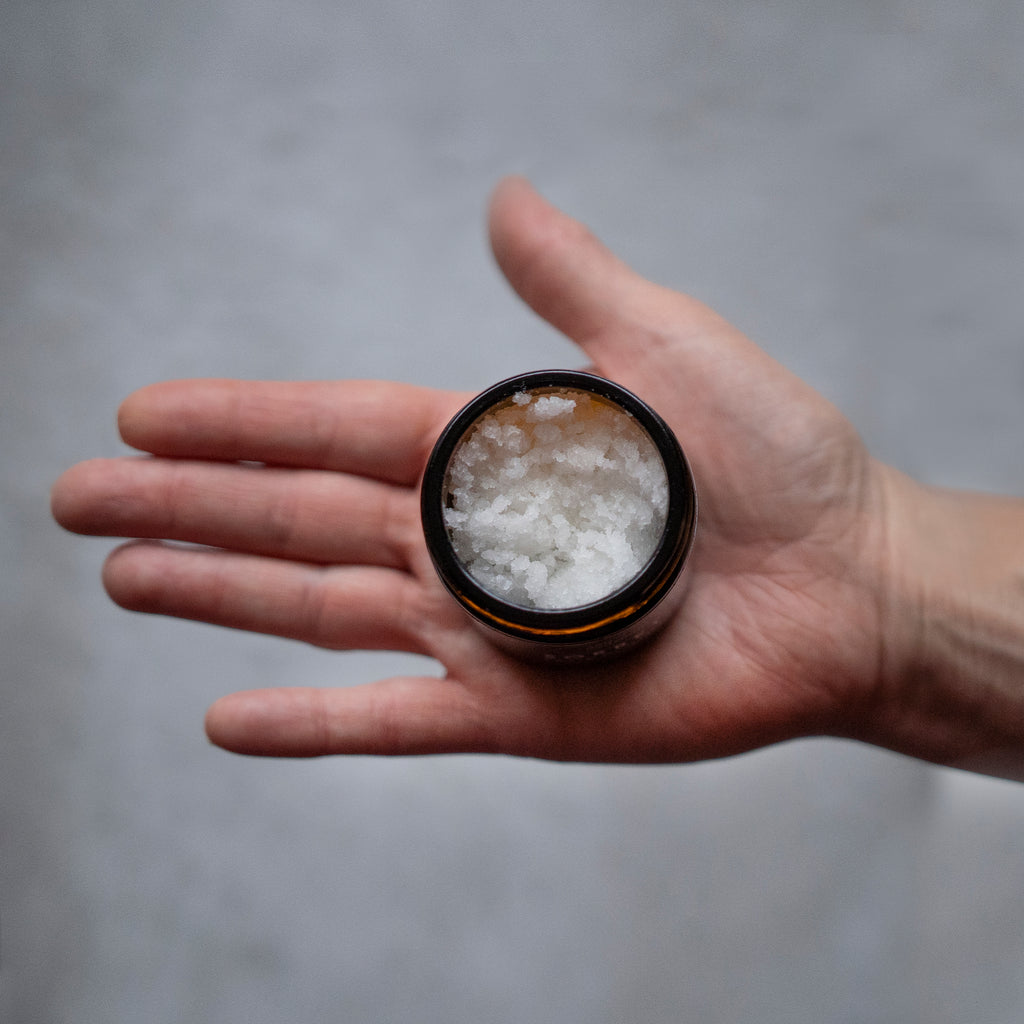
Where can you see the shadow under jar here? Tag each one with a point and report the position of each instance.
(559, 510)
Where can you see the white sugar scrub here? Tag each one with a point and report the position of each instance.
(559, 511)
(555, 498)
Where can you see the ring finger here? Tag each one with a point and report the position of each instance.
(338, 607)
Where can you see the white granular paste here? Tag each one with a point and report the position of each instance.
(556, 499)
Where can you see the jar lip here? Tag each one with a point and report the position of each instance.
(626, 602)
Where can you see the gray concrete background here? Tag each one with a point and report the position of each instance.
(253, 189)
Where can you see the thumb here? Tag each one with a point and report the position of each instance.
(648, 337)
(556, 265)
(570, 279)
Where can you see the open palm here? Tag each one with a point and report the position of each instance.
(299, 503)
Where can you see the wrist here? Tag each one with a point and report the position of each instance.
(951, 687)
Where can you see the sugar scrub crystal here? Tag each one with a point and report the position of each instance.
(555, 499)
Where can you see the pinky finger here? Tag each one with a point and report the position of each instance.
(401, 716)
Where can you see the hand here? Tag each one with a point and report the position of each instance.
(304, 500)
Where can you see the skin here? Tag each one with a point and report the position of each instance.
(816, 604)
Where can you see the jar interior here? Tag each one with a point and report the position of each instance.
(555, 498)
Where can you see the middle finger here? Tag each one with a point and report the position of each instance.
(304, 515)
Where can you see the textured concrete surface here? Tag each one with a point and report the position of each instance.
(254, 189)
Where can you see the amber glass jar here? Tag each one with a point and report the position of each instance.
(601, 626)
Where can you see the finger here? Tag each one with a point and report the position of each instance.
(303, 515)
(339, 607)
(715, 387)
(575, 283)
(558, 267)
(375, 429)
(395, 716)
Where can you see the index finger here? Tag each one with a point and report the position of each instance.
(373, 428)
